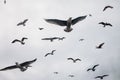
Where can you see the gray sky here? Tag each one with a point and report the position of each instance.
(36, 11)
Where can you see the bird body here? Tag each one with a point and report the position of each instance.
(22, 23)
(74, 60)
(23, 66)
(93, 68)
(67, 23)
(21, 41)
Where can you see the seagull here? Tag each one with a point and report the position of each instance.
(105, 24)
(100, 46)
(22, 23)
(41, 28)
(101, 77)
(50, 53)
(61, 38)
(74, 60)
(71, 76)
(21, 41)
(106, 7)
(93, 68)
(67, 23)
(23, 66)
(51, 39)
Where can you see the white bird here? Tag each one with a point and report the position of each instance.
(67, 23)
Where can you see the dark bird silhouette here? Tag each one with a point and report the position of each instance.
(50, 53)
(74, 60)
(81, 39)
(93, 68)
(90, 15)
(23, 66)
(51, 39)
(22, 23)
(55, 72)
(67, 23)
(106, 7)
(41, 28)
(21, 41)
(105, 24)
(71, 76)
(61, 38)
(100, 46)
(101, 77)
(4, 1)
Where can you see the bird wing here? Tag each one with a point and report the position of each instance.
(98, 77)
(16, 40)
(89, 69)
(46, 38)
(47, 54)
(101, 23)
(105, 75)
(107, 7)
(95, 66)
(70, 59)
(109, 24)
(77, 59)
(101, 44)
(25, 20)
(24, 38)
(53, 51)
(57, 22)
(9, 68)
(28, 62)
(74, 21)
(20, 23)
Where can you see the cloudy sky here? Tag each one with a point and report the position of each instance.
(15, 11)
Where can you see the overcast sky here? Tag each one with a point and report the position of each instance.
(15, 11)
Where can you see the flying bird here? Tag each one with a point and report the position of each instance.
(21, 41)
(71, 76)
(101, 77)
(81, 39)
(23, 66)
(74, 60)
(93, 68)
(22, 23)
(55, 72)
(41, 28)
(100, 46)
(105, 24)
(50, 53)
(67, 23)
(106, 7)
(51, 39)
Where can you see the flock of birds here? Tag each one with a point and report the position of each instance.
(68, 23)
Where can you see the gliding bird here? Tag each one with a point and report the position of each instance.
(23, 66)
(22, 23)
(74, 60)
(67, 23)
(21, 41)
(93, 68)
